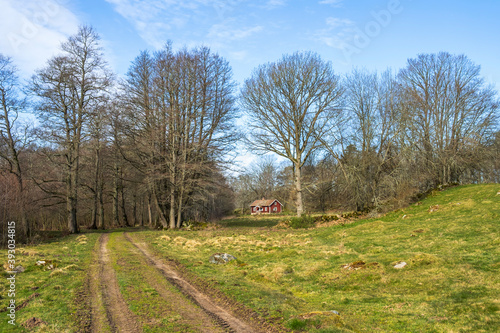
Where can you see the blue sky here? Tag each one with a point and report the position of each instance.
(375, 34)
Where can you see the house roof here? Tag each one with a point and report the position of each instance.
(263, 203)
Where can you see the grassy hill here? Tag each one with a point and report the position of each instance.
(295, 278)
(451, 283)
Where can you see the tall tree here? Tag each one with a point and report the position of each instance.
(180, 108)
(10, 141)
(291, 104)
(69, 90)
(452, 111)
(372, 103)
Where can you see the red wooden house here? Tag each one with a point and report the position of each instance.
(266, 206)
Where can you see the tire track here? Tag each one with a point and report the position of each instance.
(223, 317)
(119, 317)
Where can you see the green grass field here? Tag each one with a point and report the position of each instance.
(51, 293)
(296, 277)
(450, 242)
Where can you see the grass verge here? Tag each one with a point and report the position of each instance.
(54, 292)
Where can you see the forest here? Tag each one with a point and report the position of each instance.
(82, 148)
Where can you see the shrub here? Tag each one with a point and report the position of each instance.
(305, 221)
(326, 218)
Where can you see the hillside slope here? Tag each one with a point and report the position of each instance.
(450, 242)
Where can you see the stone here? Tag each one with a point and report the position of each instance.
(221, 258)
(336, 312)
(400, 265)
(40, 262)
(19, 269)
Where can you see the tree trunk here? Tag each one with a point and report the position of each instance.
(298, 188)
(172, 208)
(116, 218)
(97, 170)
(72, 197)
(150, 216)
(179, 212)
(134, 210)
(101, 207)
(22, 211)
(124, 211)
(16, 168)
(161, 214)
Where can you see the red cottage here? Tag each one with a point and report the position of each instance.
(266, 206)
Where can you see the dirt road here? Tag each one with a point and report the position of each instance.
(161, 299)
(119, 317)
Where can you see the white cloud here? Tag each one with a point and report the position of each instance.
(271, 4)
(224, 32)
(337, 33)
(156, 20)
(146, 18)
(239, 55)
(334, 3)
(32, 31)
(334, 22)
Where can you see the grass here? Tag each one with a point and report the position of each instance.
(58, 288)
(297, 277)
(450, 242)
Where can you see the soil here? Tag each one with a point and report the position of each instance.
(33, 322)
(224, 317)
(119, 317)
(199, 307)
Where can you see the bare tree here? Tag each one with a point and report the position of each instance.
(180, 109)
(11, 142)
(374, 123)
(98, 139)
(452, 110)
(290, 105)
(69, 90)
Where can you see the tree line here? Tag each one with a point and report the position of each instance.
(368, 140)
(154, 148)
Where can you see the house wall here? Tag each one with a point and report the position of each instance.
(276, 205)
(274, 208)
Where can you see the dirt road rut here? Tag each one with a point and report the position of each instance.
(107, 294)
(225, 318)
(176, 297)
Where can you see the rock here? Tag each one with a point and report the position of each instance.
(221, 258)
(40, 262)
(400, 265)
(336, 312)
(19, 269)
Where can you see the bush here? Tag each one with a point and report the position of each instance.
(326, 218)
(305, 221)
